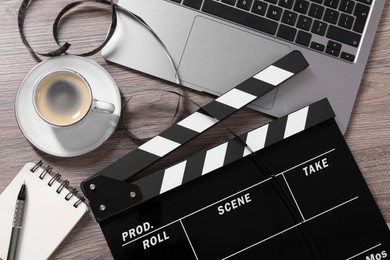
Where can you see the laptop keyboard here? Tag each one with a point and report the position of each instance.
(333, 27)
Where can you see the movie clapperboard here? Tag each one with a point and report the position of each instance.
(290, 189)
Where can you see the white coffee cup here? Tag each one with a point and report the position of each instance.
(63, 98)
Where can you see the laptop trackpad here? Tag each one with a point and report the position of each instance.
(217, 57)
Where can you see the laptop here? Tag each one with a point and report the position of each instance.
(216, 44)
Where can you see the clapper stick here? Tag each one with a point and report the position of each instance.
(239, 147)
(198, 122)
(195, 124)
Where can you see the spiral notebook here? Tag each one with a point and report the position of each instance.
(51, 212)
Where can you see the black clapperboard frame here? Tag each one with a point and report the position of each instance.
(287, 190)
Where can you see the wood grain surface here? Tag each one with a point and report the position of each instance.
(368, 134)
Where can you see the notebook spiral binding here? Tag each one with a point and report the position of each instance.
(64, 184)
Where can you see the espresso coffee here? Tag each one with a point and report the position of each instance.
(62, 97)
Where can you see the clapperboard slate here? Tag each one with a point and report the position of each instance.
(219, 204)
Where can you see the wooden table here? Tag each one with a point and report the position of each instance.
(368, 135)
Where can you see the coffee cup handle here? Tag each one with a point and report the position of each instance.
(103, 107)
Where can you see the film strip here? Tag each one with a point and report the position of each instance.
(187, 129)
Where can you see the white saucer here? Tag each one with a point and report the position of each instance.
(85, 135)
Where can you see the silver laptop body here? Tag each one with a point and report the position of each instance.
(214, 54)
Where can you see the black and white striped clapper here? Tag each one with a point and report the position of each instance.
(210, 160)
(193, 125)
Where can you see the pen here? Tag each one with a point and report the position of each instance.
(17, 223)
